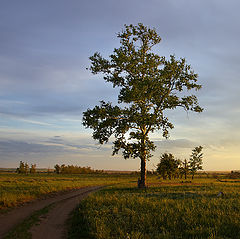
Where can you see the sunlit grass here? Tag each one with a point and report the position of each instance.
(166, 209)
(16, 189)
(169, 210)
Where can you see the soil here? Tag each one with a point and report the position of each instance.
(51, 225)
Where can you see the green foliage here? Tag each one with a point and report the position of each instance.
(33, 168)
(168, 166)
(23, 168)
(149, 84)
(184, 168)
(195, 161)
(57, 169)
(71, 169)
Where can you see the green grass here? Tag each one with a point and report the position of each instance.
(21, 231)
(165, 210)
(16, 189)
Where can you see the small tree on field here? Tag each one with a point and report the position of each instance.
(149, 85)
(57, 169)
(195, 161)
(184, 169)
(21, 167)
(33, 168)
(168, 166)
(63, 168)
(26, 168)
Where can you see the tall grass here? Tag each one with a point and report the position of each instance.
(173, 211)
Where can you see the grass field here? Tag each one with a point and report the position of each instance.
(16, 189)
(167, 209)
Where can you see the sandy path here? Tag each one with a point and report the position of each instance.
(53, 225)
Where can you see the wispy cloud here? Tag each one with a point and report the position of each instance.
(175, 143)
(18, 118)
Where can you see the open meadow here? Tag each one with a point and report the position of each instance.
(16, 189)
(165, 209)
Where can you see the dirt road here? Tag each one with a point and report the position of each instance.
(53, 224)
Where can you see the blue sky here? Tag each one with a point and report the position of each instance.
(45, 87)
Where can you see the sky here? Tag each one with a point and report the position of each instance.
(45, 87)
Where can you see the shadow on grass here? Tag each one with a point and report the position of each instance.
(173, 195)
(160, 193)
(78, 226)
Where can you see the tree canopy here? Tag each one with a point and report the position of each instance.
(148, 85)
(168, 165)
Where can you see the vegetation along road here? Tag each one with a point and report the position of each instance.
(207, 206)
(52, 219)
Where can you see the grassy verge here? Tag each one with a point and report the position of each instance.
(175, 210)
(17, 189)
(21, 231)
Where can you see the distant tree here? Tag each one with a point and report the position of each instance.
(63, 168)
(48, 170)
(26, 168)
(195, 161)
(149, 85)
(184, 168)
(71, 169)
(168, 166)
(57, 169)
(33, 168)
(21, 168)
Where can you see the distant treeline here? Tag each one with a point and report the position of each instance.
(63, 169)
(234, 175)
(71, 169)
(25, 169)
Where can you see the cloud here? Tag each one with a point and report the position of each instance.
(176, 143)
(10, 147)
(42, 146)
(44, 84)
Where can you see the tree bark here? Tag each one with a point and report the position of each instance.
(142, 181)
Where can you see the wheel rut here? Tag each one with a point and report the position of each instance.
(51, 225)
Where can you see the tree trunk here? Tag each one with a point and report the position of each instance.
(142, 181)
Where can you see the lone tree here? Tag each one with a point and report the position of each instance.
(195, 161)
(149, 84)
